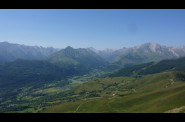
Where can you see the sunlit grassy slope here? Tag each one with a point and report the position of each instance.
(157, 93)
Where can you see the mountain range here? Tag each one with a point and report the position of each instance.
(11, 52)
(71, 57)
(38, 79)
(46, 66)
(141, 54)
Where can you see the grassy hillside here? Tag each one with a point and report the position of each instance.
(152, 67)
(30, 72)
(81, 60)
(163, 92)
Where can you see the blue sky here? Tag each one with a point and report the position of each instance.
(98, 28)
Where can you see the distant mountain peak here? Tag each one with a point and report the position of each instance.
(93, 49)
(152, 47)
(10, 52)
(149, 44)
(68, 47)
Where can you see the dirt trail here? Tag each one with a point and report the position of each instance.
(171, 81)
(79, 106)
(89, 100)
(175, 110)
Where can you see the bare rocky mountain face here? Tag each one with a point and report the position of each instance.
(10, 52)
(141, 54)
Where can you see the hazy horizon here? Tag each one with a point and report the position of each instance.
(91, 46)
(98, 28)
